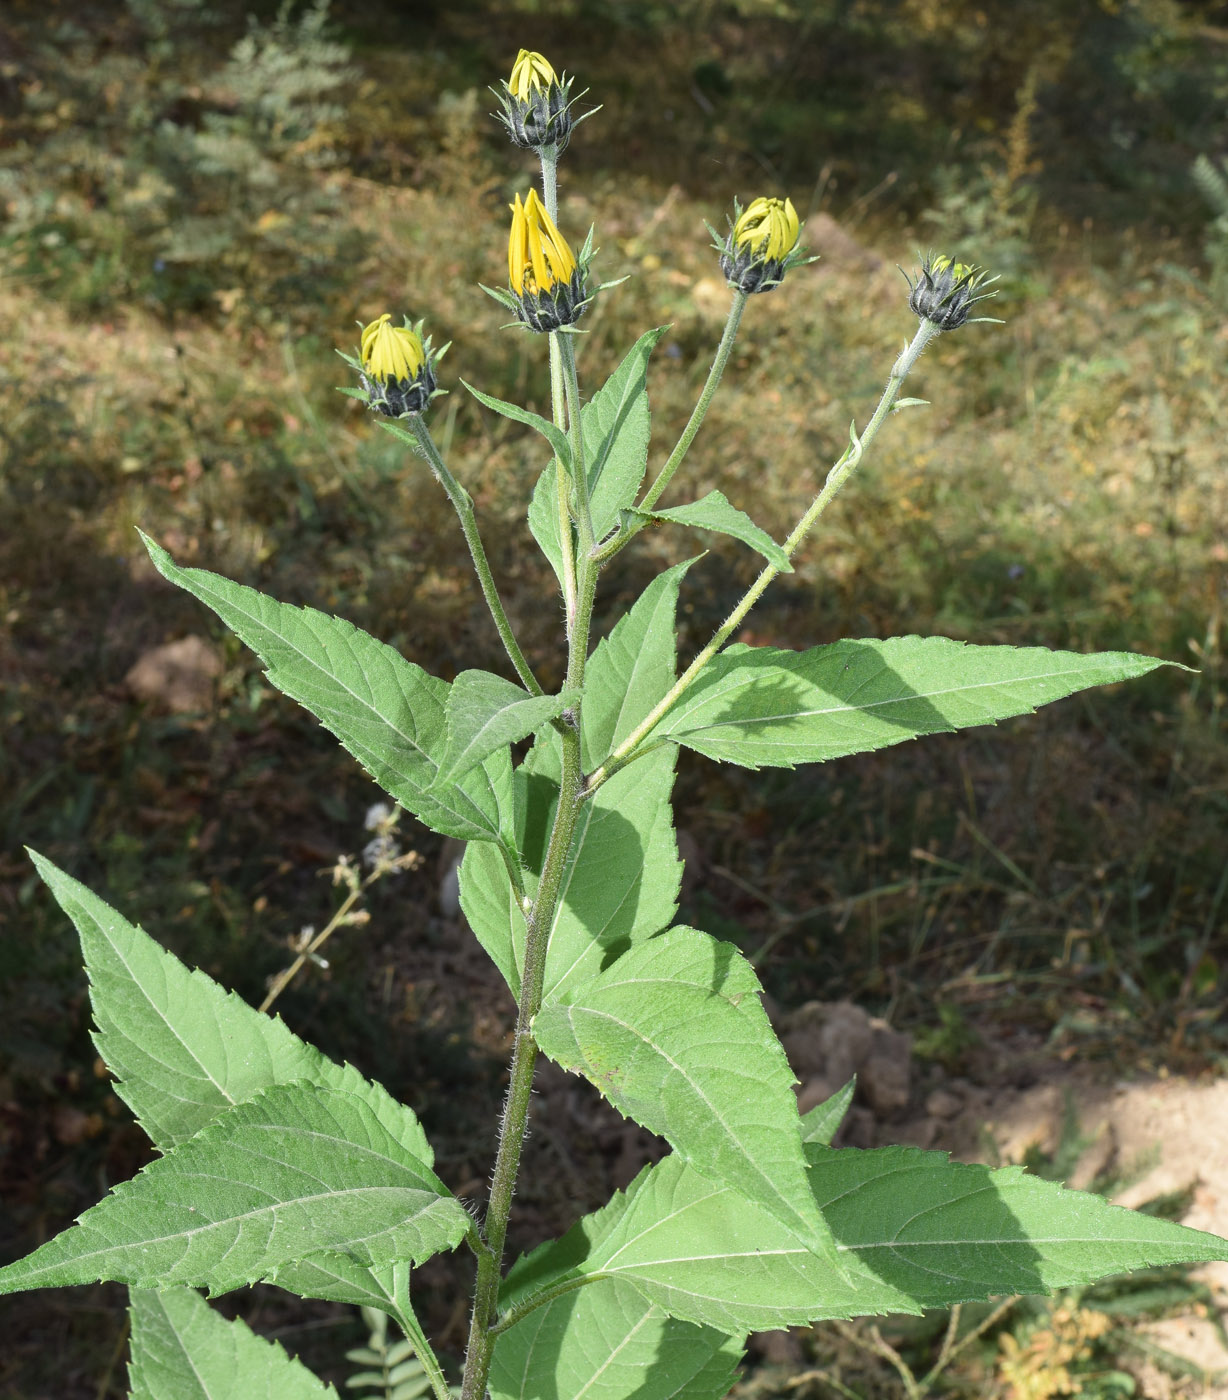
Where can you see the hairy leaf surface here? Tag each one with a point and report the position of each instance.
(675, 1037)
(485, 713)
(297, 1171)
(717, 513)
(914, 1230)
(389, 713)
(182, 1048)
(181, 1349)
(763, 707)
(608, 1342)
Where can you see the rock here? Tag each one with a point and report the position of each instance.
(178, 676)
(885, 1073)
(846, 1039)
(942, 1103)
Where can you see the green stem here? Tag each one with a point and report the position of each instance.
(579, 469)
(540, 917)
(558, 398)
(408, 1323)
(562, 490)
(539, 1300)
(836, 478)
(463, 504)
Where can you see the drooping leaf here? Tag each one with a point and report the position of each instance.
(616, 427)
(486, 713)
(762, 707)
(180, 1349)
(620, 885)
(608, 1342)
(673, 1034)
(823, 1121)
(297, 1171)
(632, 668)
(182, 1048)
(556, 437)
(386, 711)
(914, 1230)
(715, 512)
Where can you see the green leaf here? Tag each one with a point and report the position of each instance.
(340, 1279)
(297, 1171)
(632, 668)
(914, 1230)
(387, 712)
(620, 885)
(486, 713)
(616, 425)
(182, 1350)
(762, 707)
(183, 1049)
(675, 1037)
(556, 437)
(617, 428)
(715, 512)
(823, 1121)
(608, 1342)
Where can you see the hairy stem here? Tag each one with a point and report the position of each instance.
(463, 505)
(836, 478)
(539, 918)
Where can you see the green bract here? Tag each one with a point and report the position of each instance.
(279, 1165)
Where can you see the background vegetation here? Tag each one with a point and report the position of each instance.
(198, 200)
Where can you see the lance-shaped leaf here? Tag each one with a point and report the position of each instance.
(620, 884)
(297, 1171)
(632, 668)
(556, 437)
(616, 426)
(823, 1121)
(914, 1230)
(715, 512)
(762, 707)
(182, 1048)
(675, 1037)
(389, 713)
(341, 1279)
(608, 1342)
(486, 713)
(181, 1349)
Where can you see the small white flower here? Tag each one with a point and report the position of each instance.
(382, 851)
(377, 814)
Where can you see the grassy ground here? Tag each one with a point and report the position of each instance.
(189, 233)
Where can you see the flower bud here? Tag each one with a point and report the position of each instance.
(396, 368)
(761, 245)
(547, 283)
(536, 104)
(946, 291)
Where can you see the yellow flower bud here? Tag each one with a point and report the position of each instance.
(530, 73)
(768, 228)
(546, 281)
(391, 352)
(396, 367)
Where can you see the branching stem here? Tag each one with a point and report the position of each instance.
(836, 478)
